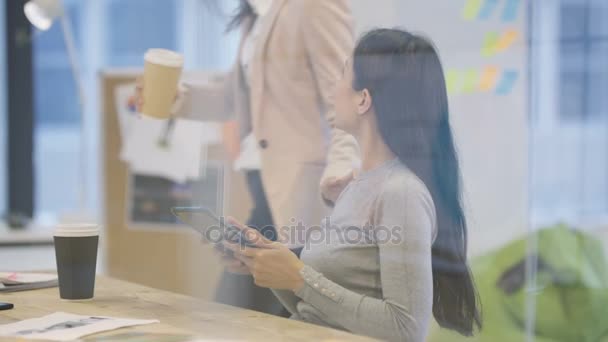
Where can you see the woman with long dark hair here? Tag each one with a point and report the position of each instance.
(395, 247)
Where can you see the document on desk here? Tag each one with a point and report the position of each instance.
(13, 281)
(62, 326)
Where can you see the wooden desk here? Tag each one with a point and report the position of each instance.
(177, 314)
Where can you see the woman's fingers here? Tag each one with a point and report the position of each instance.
(241, 250)
(221, 250)
(230, 261)
(236, 266)
(235, 223)
(246, 261)
(253, 236)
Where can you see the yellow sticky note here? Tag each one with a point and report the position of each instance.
(471, 78)
(471, 9)
(452, 80)
(488, 78)
(507, 39)
(489, 44)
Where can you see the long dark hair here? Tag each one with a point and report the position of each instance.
(242, 12)
(403, 73)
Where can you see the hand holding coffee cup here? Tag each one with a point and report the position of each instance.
(137, 99)
(157, 90)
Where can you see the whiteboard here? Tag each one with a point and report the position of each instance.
(489, 119)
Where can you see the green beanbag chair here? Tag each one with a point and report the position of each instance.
(570, 292)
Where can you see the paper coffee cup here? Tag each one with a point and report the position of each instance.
(76, 256)
(162, 71)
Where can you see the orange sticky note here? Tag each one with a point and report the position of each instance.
(507, 39)
(488, 78)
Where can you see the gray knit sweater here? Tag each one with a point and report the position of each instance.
(368, 267)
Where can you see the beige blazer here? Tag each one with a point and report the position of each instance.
(300, 55)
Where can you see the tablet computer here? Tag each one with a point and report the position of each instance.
(198, 218)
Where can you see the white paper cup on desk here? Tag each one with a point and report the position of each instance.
(162, 71)
(76, 255)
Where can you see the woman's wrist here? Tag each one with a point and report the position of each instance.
(299, 283)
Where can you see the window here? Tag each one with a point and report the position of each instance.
(108, 34)
(57, 120)
(583, 37)
(569, 112)
(136, 25)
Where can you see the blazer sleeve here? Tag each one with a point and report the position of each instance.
(329, 39)
(207, 100)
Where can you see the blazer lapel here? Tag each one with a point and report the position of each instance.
(241, 98)
(257, 88)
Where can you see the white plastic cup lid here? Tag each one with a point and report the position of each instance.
(76, 230)
(164, 57)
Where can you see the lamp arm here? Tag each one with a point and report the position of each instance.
(78, 79)
(70, 44)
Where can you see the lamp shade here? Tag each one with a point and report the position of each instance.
(42, 13)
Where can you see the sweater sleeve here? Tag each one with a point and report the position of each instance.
(288, 299)
(404, 311)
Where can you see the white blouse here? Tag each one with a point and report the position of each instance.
(249, 157)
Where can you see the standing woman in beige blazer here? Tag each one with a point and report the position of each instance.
(278, 93)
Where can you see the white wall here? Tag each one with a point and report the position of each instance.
(34, 258)
(491, 130)
(376, 13)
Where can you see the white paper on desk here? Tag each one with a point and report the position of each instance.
(62, 326)
(14, 278)
(179, 160)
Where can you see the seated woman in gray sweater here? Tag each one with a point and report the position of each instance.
(393, 252)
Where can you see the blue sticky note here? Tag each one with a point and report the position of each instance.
(487, 9)
(509, 77)
(510, 11)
